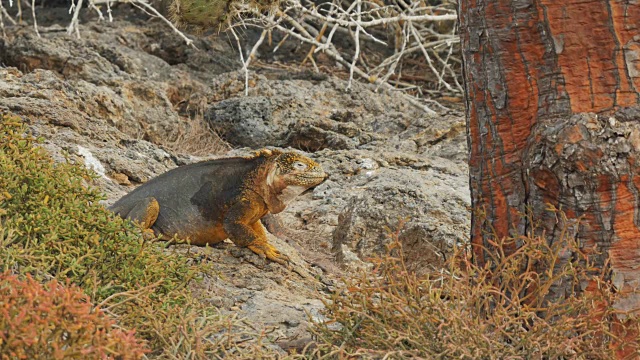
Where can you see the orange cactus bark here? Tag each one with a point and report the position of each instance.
(553, 116)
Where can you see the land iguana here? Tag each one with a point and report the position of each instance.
(211, 201)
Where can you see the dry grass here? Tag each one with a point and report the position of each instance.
(198, 139)
(505, 310)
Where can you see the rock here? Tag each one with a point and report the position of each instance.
(121, 178)
(272, 296)
(91, 162)
(350, 260)
(424, 210)
(69, 57)
(246, 121)
(113, 76)
(367, 197)
(291, 323)
(306, 114)
(138, 102)
(303, 135)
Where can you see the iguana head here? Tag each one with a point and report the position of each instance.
(290, 174)
(297, 170)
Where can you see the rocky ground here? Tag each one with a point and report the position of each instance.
(131, 100)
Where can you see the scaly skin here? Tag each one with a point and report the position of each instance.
(214, 200)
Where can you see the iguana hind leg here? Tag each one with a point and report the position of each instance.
(146, 213)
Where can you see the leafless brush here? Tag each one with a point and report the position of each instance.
(419, 36)
(95, 5)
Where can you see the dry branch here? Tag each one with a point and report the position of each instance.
(398, 45)
(423, 34)
(76, 7)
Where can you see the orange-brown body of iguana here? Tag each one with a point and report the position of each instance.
(211, 201)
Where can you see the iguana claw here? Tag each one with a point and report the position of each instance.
(268, 251)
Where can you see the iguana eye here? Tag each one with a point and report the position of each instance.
(299, 166)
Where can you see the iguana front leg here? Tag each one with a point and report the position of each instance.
(264, 248)
(242, 225)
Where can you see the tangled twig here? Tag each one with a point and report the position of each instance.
(398, 45)
(76, 7)
(422, 39)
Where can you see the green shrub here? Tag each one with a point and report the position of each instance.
(53, 227)
(58, 228)
(501, 311)
(57, 322)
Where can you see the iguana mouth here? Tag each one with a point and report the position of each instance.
(316, 180)
(310, 181)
